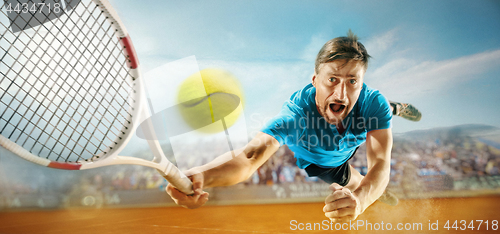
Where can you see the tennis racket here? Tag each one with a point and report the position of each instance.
(71, 92)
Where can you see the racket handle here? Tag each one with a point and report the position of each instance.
(181, 182)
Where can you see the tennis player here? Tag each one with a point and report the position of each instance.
(324, 123)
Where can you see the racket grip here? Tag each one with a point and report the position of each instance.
(181, 182)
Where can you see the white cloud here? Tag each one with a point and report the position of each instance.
(311, 50)
(404, 76)
(379, 44)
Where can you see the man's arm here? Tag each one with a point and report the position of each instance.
(225, 170)
(343, 204)
(378, 153)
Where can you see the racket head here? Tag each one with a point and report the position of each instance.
(71, 87)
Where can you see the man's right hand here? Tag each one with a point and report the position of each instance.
(226, 170)
(193, 201)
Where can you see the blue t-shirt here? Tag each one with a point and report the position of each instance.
(313, 140)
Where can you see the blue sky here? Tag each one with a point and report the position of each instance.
(442, 56)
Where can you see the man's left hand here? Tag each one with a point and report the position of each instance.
(342, 205)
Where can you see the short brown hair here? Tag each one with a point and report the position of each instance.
(342, 48)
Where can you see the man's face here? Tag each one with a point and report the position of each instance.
(338, 85)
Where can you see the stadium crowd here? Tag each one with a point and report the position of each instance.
(449, 158)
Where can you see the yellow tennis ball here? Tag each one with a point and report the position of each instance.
(209, 96)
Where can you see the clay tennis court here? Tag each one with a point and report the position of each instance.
(272, 218)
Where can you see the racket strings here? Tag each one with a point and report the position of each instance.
(55, 37)
(62, 57)
(79, 109)
(97, 59)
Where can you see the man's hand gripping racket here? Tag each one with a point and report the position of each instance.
(199, 198)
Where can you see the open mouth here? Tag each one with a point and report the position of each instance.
(337, 108)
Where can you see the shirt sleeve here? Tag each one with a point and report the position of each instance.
(378, 112)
